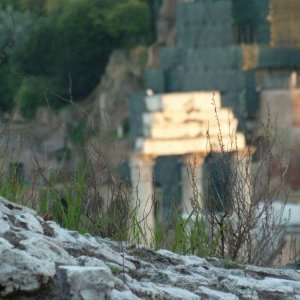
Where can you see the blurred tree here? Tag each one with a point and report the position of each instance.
(53, 7)
(68, 43)
(37, 91)
(35, 6)
(126, 22)
(81, 48)
(39, 55)
(9, 80)
(15, 28)
(29, 96)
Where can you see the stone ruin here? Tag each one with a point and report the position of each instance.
(184, 124)
(247, 50)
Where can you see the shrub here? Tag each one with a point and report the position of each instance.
(239, 200)
(34, 92)
(76, 52)
(8, 82)
(15, 28)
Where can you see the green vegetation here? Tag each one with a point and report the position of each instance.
(189, 236)
(9, 82)
(93, 199)
(67, 203)
(228, 264)
(63, 44)
(115, 270)
(78, 133)
(54, 52)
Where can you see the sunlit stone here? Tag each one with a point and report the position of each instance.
(187, 124)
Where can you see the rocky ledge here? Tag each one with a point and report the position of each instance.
(41, 260)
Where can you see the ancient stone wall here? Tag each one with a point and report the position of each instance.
(204, 24)
(226, 46)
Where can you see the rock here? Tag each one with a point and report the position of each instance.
(41, 260)
(90, 283)
(22, 272)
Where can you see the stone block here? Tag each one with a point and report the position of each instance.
(193, 101)
(222, 80)
(192, 129)
(154, 147)
(162, 118)
(178, 102)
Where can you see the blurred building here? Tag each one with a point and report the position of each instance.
(248, 51)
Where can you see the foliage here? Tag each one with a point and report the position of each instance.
(69, 202)
(36, 6)
(69, 42)
(239, 205)
(15, 28)
(53, 7)
(37, 91)
(38, 58)
(125, 21)
(93, 199)
(10, 188)
(82, 50)
(8, 82)
(73, 53)
(29, 98)
(188, 236)
(78, 133)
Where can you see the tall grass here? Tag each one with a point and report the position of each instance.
(93, 199)
(76, 204)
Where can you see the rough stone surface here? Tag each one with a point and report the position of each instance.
(40, 260)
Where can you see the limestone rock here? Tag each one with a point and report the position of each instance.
(41, 260)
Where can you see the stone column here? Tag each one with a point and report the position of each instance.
(142, 194)
(191, 182)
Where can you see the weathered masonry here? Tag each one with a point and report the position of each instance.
(237, 47)
(183, 124)
(246, 50)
